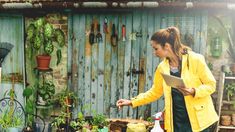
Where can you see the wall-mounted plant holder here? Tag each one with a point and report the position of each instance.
(216, 47)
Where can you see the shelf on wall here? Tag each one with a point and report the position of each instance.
(226, 127)
(228, 102)
(230, 78)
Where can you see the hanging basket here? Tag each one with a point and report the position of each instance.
(43, 62)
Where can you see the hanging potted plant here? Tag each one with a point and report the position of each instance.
(42, 38)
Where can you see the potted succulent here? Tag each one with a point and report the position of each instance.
(42, 38)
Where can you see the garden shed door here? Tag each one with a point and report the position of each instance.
(103, 72)
(12, 32)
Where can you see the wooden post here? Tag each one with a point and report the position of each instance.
(0, 75)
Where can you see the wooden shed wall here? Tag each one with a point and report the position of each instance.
(11, 31)
(103, 73)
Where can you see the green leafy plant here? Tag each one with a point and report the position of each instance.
(100, 121)
(230, 87)
(42, 37)
(67, 98)
(29, 93)
(46, 91)
(79, 123)
(61, 119)
(8, 120)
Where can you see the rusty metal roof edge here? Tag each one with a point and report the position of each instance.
(117, 5)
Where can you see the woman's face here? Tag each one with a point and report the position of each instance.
(158, 50)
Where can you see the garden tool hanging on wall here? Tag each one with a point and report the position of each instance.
(123, 32)
(114, 36)
(105, 26)
(92, 35)
(98, 36)
(5, 48)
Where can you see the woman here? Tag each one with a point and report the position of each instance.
(188, 108)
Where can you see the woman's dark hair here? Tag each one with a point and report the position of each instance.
(170, 35)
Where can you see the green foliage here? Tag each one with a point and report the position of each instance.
(7, 120)
(47, 91)
(100, 121)
(60, 37)
(42, 37)
(230, 87)
(79, 123)
(64, 95)
(61, 119)
(150, 119)
(29, 93)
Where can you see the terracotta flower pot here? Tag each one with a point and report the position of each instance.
(43, 62)
(233, 68)
(226, 120)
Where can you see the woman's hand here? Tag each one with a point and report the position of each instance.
(187, 91)
(123, 102)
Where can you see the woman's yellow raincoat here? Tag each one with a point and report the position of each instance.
(195, 74)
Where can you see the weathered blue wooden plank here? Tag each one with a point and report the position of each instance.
(204, 21)
(135, 55)
(69, 51)
(101, 53)
(189, 29)
(197, 33)
(114, 58)
(78, 58)
(73, 48)
(170, 21)
(94, 70)
(183, 25)
(88, 67)
(160, 21)
(127, 67)
(121, 60)
(12, 32)
(149, 57)
(142, 64)
(107, 63)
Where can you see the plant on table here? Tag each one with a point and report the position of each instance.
(100, 123)
(79, 124)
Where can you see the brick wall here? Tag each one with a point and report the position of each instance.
(60, 71)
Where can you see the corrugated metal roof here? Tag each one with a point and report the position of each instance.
(117, 4)
(12, 1)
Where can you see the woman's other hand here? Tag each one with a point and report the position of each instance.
(123, 102)
(187, 91)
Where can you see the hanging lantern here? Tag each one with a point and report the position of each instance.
(216, 47)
